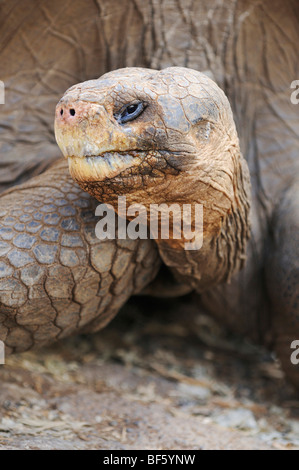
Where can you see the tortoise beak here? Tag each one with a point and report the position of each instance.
(95, 145)
(85, 129)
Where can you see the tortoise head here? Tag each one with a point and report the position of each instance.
(155, 137)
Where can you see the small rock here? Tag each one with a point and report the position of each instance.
(239, 418)
(196, 392)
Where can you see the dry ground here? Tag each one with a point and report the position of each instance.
(161, 376)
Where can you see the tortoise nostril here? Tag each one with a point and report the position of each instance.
(72, 112)
(61, 112)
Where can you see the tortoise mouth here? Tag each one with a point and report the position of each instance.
(105, 166)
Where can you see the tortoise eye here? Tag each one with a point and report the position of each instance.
(132, 111)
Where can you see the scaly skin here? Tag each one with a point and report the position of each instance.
(56, 277)
(181, 148)
(251, 48)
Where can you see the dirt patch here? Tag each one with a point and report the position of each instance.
(158, 377)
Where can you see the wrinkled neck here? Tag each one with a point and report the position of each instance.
(223, 248)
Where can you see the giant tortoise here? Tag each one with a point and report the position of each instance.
(156, 129)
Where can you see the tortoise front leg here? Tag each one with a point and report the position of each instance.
(283, 280)
(56, 277)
